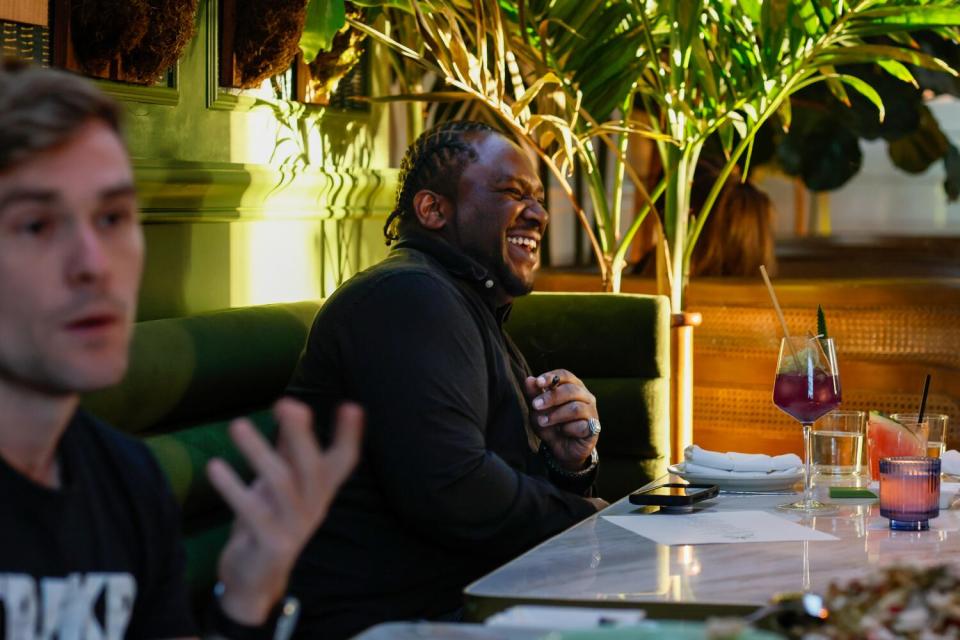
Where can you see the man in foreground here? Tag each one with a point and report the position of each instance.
(469, 459)
(90, 543)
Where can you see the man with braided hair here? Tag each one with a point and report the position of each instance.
(469, 459)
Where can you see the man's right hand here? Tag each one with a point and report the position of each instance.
(562, 407)
(280, 510)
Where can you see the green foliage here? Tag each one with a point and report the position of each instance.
(821, 324)
(324, 19)
(566, 74)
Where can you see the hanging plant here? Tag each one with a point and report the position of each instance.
(146, 37)
(103, 29)
(171, 27)
(267, 37)
(334, 57)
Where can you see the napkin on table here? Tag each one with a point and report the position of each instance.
(702, 460)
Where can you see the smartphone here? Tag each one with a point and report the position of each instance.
(675, 495)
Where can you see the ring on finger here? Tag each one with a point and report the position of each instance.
(593, 426)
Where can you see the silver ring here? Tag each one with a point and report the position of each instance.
(593, 426)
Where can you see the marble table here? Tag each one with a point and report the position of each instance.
(598, 563)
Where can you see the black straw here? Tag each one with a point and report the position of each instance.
(923, 400)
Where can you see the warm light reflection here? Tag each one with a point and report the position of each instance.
(273, 261)
(687, 556)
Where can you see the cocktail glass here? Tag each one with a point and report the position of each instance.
(887, 438)
(910, 491)
(807, 386)
(936, 430)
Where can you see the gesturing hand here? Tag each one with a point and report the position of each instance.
(278, 512)
(561, 413)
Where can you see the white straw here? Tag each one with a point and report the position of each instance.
(776, 307)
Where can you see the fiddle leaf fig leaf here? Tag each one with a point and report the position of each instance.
(324, 19)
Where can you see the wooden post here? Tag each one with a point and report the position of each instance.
(681, 382)
(800, 209)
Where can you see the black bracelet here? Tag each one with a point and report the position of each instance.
(554, 466)
(278, 626)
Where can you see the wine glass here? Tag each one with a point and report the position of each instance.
(807, 386)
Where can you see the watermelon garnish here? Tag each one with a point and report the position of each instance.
(886, 422)
(886, 438)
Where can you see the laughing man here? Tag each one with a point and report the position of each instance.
(469, 459)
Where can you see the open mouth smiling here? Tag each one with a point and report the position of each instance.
(529, 244)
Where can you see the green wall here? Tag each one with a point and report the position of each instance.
(250, 201)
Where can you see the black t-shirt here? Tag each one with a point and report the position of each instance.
(101, 556)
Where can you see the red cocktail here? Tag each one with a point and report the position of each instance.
(806, 397)
(807, 387)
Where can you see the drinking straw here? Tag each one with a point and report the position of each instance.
(820, 350)
(776, 307)
(923, 399)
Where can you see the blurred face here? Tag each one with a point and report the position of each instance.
(500, 217)
(71, 254)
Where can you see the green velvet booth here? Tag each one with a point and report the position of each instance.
(619, 345)
(188, 376)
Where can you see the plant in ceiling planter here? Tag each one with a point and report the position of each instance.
(144, 37)
(266, 38)
(331, 47)
(555, 73)
(170, 26)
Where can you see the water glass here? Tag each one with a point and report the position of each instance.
(910, 491)
(838, 443)
(936, 430)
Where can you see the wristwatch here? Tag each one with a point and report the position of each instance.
(278, 626)
(558, 469)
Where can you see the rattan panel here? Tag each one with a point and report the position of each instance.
(927, 334)
(745, 419)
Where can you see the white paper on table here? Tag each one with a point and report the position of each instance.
(717, 528)
(557, 618)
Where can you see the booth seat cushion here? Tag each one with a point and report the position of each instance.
(189, 376)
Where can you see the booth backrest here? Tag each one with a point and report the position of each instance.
(619, 345)
(189, 376)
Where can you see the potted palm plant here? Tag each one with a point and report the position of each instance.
(564, 74)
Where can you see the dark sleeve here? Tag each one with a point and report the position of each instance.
(162, 608)
(416, 358)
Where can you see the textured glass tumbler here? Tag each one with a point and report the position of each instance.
(910, 491)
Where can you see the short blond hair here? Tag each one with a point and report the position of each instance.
(42, 108)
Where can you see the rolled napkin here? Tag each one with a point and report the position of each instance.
(698, 459)
(950, 462)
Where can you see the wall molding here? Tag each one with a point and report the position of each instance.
(178, 191)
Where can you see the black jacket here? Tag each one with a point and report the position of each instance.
(448, 486)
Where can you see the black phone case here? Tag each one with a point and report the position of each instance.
(648, 499)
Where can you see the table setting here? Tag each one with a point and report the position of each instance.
(864, 518)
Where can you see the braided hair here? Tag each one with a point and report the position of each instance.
(435, 161)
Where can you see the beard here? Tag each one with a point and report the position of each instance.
(512, 284)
